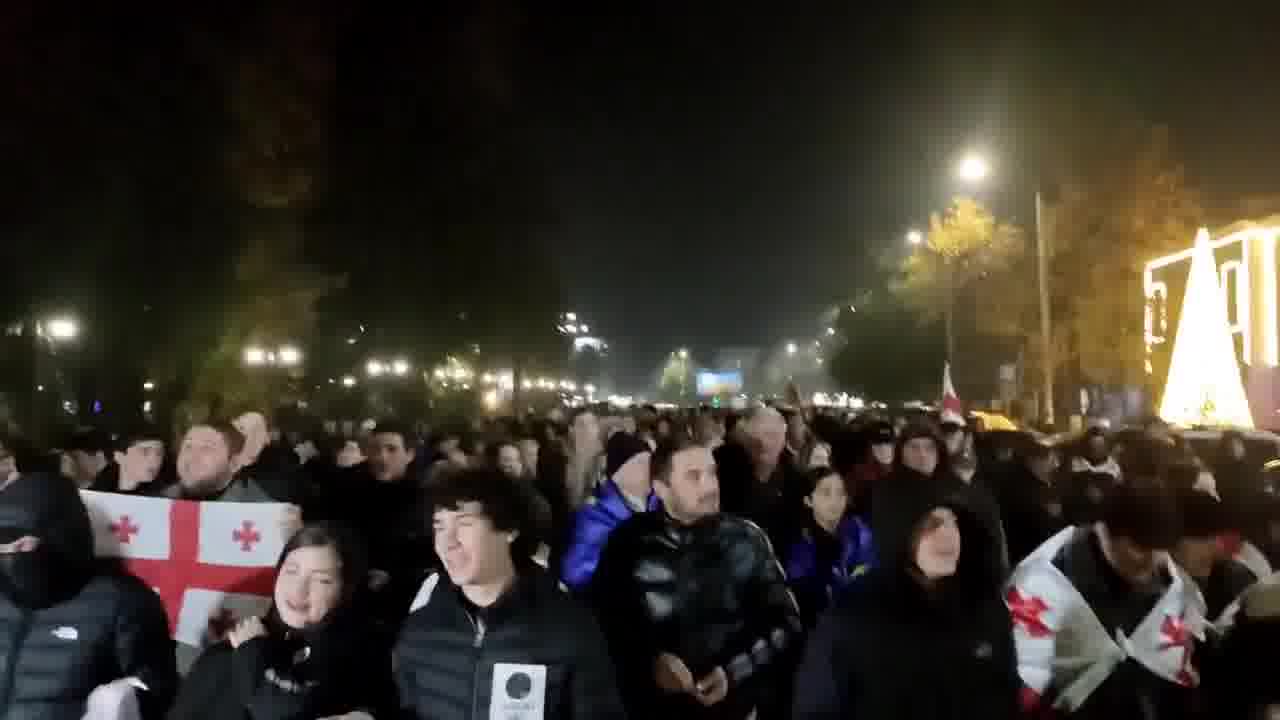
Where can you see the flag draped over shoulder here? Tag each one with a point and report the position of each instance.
(211, 563)
(1064, 651)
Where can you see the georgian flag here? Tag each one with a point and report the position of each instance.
(212, 563)
(1065, 651)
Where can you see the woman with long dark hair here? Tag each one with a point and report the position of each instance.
(314, 655)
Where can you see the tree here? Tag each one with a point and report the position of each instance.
(675, 380)
(891, 355)
(277, 95)
(963, 247)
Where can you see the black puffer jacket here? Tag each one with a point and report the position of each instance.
(712, 594)
(67, 625)
(891, 649)
(327, 671)
(453, 661)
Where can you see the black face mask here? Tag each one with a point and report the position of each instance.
(33, 580)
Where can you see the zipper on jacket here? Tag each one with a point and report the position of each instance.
(15, 651)
(478, 625)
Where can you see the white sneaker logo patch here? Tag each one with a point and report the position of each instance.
(66, 632)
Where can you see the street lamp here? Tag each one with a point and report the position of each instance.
(375, 368)
(792, 349)
(148, 386)
(400, 367)
(348, 381)
(914, 237)
(62, 328)
(973, 168)
(289, 356)
(255, 356)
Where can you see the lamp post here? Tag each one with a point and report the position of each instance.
(973, 168)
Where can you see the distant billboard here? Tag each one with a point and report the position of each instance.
(726, 382)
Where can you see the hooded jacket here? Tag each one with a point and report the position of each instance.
(892, 649)
(592, 525)
(820, 566)
(68, 624)
(977, 497)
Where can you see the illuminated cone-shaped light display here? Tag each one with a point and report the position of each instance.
(1204, 386)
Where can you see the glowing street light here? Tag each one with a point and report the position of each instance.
(62, 328)
(289, 356)
(375, 368)
(914, 237)
(973, 168)
(792, 349)
(348, 381)
(255, 356)
(400, 367)
(148, 386)
(831, 331)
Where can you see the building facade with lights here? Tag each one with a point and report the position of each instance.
(1245, 258)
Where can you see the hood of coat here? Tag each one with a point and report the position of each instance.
(49, 508)
(898, 516)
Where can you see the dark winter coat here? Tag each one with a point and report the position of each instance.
(713, 595)
(891, 649)
(327, 671)
(592, 524)
(451, 657)
(1242, 679)
(67, 624)
(1032, 511)
(820, 566)
(776, 505)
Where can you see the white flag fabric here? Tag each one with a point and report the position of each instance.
(212, 563)
(1065, 651)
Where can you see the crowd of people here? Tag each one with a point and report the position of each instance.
(770, 564)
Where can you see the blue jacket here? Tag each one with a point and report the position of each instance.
(592, 525)
(817, 571)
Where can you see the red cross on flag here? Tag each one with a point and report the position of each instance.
(211, 562)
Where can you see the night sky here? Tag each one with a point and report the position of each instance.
(720, 175)
(715, 176)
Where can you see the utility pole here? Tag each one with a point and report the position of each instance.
(1046, 328)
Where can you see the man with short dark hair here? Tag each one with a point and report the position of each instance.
(1105, 623)
(85, 459)
(136, 462)
(693, 601)
(381, 499)
(207, 464)
(493, 636)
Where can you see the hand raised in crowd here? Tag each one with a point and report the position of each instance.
(290, 521)
(246, 630)
(672, 675)
(713, 688)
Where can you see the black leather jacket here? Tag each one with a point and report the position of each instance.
(712, 594)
